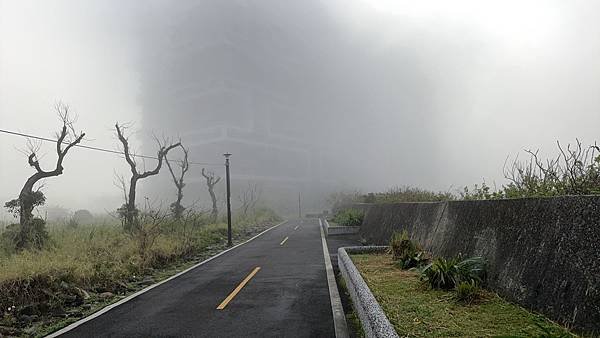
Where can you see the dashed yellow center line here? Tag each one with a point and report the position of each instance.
(238, 289)
(284, 240)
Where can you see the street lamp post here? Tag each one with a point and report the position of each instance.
(229, 242)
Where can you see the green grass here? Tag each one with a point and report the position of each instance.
(355, 329)
(349, 217)
(416, 311)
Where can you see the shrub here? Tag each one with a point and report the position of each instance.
(36, 237)
(82, 217)
(467, 292)
(575, 170)
(407, 194)
(441, 273)
(349, 217)
(339, 200)
(7, 238)
(419, 259)
(472, 269)
(401, 246)
(482, 192)
(407, 253)
(448, 273)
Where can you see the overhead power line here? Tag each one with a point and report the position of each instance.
(95, 148)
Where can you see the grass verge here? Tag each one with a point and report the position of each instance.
(355, 329)
(417, 311)
(89, 267)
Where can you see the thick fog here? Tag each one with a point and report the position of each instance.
(364, 94)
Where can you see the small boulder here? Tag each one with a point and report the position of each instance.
(82, 293)
(106, 295)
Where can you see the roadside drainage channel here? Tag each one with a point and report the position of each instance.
(339, 229)
(373, 319)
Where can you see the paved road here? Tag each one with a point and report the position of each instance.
(287, 297)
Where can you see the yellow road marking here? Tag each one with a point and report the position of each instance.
(237, 290)
(284, 240)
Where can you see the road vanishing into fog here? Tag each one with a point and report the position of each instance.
(282, 292)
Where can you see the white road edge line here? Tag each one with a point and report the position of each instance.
(339, 318)
(128, 298)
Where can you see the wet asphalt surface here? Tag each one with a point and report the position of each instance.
(287, 297)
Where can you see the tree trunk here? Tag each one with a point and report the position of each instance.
(131, 216)
(26, 201)
(25, 213)
(215, 211)
(178, 207)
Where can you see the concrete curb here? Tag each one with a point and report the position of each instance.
(130, 297)
(337, 310)
(373, 319)
(339, 229)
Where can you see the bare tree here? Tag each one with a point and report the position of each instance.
(28, 198)
(249, 198)
(211, 181)
(130, 212)
(183, 165)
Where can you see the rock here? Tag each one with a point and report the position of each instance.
(82, 293)
(124, 286)
(106, 295)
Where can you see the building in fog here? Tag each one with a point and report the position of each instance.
(237, 77)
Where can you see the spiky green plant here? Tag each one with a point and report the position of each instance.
(467, 292)
(405, 252)
(445, 273)
(441, 273)
(472, 269)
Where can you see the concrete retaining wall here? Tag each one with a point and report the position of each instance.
(543, 253)
(372, 318)
(339, 229)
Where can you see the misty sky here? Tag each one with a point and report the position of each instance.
(429, 93)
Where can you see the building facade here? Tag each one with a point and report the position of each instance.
(237, 77)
